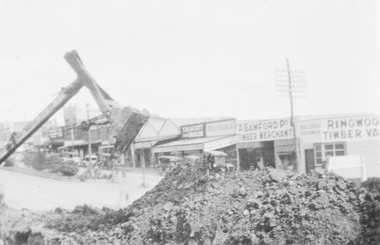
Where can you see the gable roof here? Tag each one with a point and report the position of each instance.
(157, 122)
(189, 121)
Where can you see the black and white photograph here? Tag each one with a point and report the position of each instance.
(162, 122)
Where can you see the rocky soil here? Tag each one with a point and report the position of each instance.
(188, 207)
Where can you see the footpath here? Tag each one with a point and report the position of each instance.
(58, 176)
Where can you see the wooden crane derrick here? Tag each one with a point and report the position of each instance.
(125, 122)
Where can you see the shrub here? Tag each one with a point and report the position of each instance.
(9, 162)
(28, 158)
(69, 168)
(97, 173)
(55, 162)
(39, 161)
(83, 177)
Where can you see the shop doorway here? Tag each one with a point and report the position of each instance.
(254, 158)
(309, 157)
(286, 160)
(267, 156)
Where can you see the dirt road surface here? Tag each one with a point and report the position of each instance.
(38, 193)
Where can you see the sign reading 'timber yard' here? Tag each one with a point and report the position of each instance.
(351, 128)
(264, 130)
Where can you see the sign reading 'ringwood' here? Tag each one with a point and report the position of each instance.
(264, 130)
(351, 128)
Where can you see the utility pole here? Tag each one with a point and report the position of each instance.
(295, 85)
(72, 112)
(295, 141)
(89, 143)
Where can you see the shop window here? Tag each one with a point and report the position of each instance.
(321, 151)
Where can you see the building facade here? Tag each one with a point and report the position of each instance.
(195, 139)
(341, 136)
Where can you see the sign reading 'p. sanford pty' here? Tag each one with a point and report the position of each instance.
(264, 130)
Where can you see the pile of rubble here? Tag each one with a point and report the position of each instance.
(259, 207)
(254, 207)
(369, 210)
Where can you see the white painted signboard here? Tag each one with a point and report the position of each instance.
(221, 128)
(310, 131)
(351, 128)
(264, 130)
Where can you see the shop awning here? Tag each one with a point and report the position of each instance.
(284, 146)
(284, 149)
(80, 143)
(242, 145)
(148, 143)
(194, 144)
(144, 145)
(220, 143)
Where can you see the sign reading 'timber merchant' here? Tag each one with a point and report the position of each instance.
(193, 131)
(354, 128)
(264, 130)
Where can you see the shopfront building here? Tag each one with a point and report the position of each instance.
(341, 136)
(265, 143)
(198, 138)
(157, 135)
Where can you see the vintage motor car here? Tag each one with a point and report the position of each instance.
(214, 161)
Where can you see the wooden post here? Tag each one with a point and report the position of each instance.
(152, 158)
(122, 160)
(237, 157)
(133, 155)
(142, 163)
(89, 144)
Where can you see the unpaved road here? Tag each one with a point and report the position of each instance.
(38, 193)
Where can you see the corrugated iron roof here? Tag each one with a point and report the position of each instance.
(188, 121)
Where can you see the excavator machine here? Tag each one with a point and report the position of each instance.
(125, 122)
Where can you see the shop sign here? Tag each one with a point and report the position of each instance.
(193, 131)
(310, 131)
(264, 130)
(310, 128)
(220, 143)
(221, 128)
(55, 133)
(354, 128)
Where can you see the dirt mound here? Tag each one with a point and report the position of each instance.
(255, 207)
(369, 210)
(260, 207)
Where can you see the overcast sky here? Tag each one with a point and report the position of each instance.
(192, 58)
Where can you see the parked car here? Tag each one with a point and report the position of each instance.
(105, 154)
(192, 160)
(216, 162)
(94, 160)
(73, 156)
